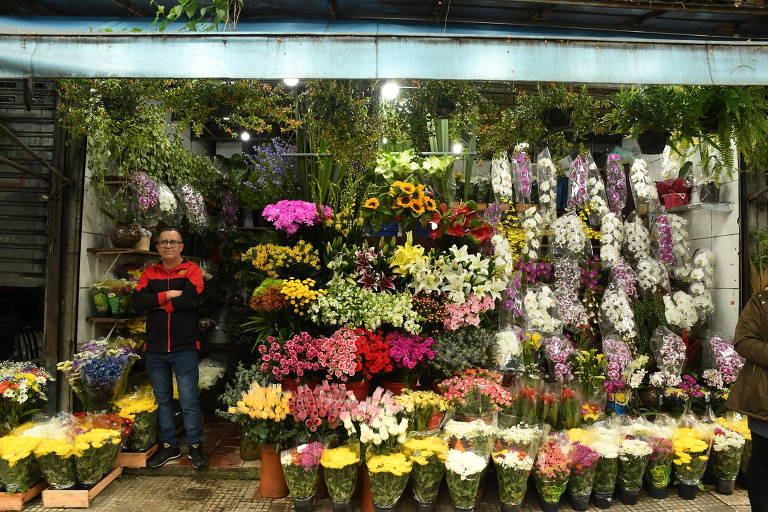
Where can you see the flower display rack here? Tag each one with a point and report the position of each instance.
(135, 459)
(78, 498)
(17, 500)
(110, 320)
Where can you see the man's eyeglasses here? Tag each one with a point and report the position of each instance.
(169, 243)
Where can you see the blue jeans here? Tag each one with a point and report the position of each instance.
(160, 368)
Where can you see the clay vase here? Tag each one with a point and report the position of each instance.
(359, 389)
(272, 480)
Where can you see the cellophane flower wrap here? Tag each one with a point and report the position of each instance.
(669, 350)
(22, 391)
(98, 449)
(727, 449)
(658, 473)
(421, 407)
(264, 413)
(428, 452)
(475, 396)
(578, 187)
(140, 407)
(524, 175)
(566, 285)
(584, 460)
(606, 444)
(617, 184)
(19, 470)
(680, 310)
(722, 361)
(541, 310)
(560, 355)
(547, 177)
(288, 216)
(643, 187)
(616, 314)
(464, 468)
(98, 373)
(501, 178)
(193, 206)
(513, 455)
(634, 454)
(570, 408)
(552, 468)
(301, 465)
(389, 472)
(55, 451)
(738, 423)
(320, 410)
(570, 239)
(691, 445)
(340, 465)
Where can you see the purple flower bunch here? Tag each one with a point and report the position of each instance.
(289, 215)
(569, 306)
(626, 278)
(559, 352)
(691, 387)
(617, 184)
(310, 455)
(523, 172)
(671, 354)
(270, 166)
(194, 206)
(727, 360)
(408, 351)
(666, 244)
(589, 274)
(511, 298)
(583, 458)
(146, 191)
(578, 178)
(534, 272)
(618, 356)
(228, 220)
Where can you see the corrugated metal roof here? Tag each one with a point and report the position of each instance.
(741, 20)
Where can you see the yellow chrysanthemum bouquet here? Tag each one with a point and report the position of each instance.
(55, 449)
(98, 449)
(691, 452)
(427, 451)
(140, 407)
(18, 469)
(424, 408)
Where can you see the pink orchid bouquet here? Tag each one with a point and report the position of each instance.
(475, 396)
(292, 358)
(321, 409)
(410, 353)
(289, 216)
(467, 313)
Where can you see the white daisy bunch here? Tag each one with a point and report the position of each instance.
(465, 464)
(569, 234)
(533, 224)
(504, 263)
(641, 182)
(539, 308)
(680, 310)
(519, 435)
(650, 273)
(617, 313)
(637, 239)
(633, 448)
(727, 439)
(514, 459)
(611, 239)
(501, 177)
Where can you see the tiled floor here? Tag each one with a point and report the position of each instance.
(201, 493)
(221, 442)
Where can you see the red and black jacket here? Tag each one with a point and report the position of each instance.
(171, 324)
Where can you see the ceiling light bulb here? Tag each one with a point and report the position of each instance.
(457, 148)
(384, 140)
(390, 90)
(245, 136)
(291, 82)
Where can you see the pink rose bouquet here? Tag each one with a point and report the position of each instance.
(321, 409)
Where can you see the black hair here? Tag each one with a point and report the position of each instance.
(169, 228)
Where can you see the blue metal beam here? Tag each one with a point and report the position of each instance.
(322, 49)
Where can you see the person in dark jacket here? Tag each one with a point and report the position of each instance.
(169, 292)
(749, 394)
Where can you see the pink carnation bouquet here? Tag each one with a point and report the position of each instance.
(338, 354)
(289, 216)
(292, 358)
(475, 396)
(410, 353)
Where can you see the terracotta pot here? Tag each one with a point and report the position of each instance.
(293, 384)
(125, 235)
(143, 243)
(395, 387)
(249, 449)
(360, 389)
(272, 480)
(366, 498)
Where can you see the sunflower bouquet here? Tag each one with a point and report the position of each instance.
(18, 468)
(428, 453)
(403, 202)
(97, 452)
(140, 407)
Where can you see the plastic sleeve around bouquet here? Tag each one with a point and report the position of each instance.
(584, 462)
(56, 451)
(664, 246)
(428, 453)
(525, 406)
(566, 284)
(463, 472)
(513, 456)
(301, 465)
(719, 354)
(101, 381)
(541, 311)
(509, 345)
(634, 454)
(533, 223)
(389, 474)
(569, 237)
(501, 178)
(598, 202)
(570, 407)
(524, 176)
(669, 350)
(19, 470)
(193, 206)
(98, 451)
(643, 188)
(340, 471)
(727, 450)
(593, 405)
(616, 313)
(637, 238)
(169, 206)
(617, 183)
(578, 177)
(552, 468)
(658, 473)
(691, 447)
(546, 174)
(607, 446)
(140, 407)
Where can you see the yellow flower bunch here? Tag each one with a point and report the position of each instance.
(263, 403)
(396, 464)
(300, 294)
(343, 220)
(580, 435)
(509, 227)
(96, 438)
(14, 448)
(129, 407)
(584, 213)
(403, 194)
(421, 449)
(533, 339)
(411, 399)
(687, 443)
(271, 258)
(341, 457)
(741, 426)
(137, 326)
(406, 255)
(62, 447)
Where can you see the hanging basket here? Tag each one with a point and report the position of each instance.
(652, 143)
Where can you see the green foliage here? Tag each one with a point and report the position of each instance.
(209, 15)
(760, 258)
(469, 347)
(649, 314)
(653, 108)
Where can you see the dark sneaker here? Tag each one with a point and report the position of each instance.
(164, 454)
(195, 454)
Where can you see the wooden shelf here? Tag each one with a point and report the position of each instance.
(110, 320)
(119, 250)
(690, 207)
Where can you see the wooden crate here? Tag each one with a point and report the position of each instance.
(135, 459)
(17, 500)
(78, 498)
